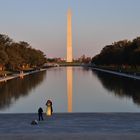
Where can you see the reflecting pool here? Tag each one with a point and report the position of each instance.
(71, 89)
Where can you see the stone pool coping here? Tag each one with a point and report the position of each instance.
(74, 126)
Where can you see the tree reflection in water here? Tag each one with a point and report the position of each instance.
(16, 88)
(121, 87)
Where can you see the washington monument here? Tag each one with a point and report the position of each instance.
(69, 36)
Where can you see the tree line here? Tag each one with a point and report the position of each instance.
(19, 55)
(123, 52)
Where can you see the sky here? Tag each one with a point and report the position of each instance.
(95, 23)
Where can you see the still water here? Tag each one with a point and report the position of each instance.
(71, 89)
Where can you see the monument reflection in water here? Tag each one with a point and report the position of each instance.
(69, 87)
(72, 89)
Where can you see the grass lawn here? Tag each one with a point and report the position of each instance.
(3, 73)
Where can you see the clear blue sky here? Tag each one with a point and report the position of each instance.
(96, 23)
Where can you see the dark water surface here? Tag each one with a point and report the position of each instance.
(72, 89)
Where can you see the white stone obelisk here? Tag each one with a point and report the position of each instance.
(69, 36)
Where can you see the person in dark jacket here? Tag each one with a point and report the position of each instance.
(40, 114)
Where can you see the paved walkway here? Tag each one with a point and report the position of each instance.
(19, 75)
(76, 126)
(118, 73)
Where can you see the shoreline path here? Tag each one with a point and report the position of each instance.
(18, 75)
(117, 73)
